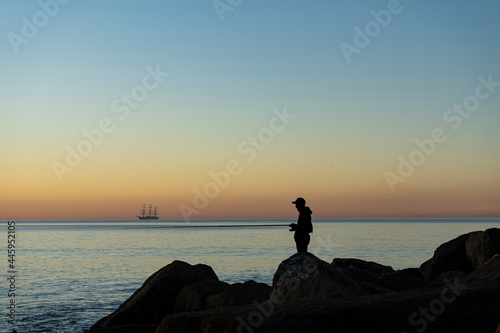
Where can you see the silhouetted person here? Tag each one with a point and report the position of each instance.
(303, 226)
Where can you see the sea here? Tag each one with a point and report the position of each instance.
(69, 274)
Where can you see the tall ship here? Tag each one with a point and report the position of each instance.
(149, 215)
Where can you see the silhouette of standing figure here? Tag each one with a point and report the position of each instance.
(303, 226)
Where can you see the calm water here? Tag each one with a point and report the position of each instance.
(72, 273)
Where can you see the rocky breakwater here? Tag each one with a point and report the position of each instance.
(457, 290)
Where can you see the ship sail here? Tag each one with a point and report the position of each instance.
(149, 215)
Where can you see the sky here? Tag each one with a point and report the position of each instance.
(232, 109)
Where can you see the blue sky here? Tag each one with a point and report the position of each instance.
(225, 77)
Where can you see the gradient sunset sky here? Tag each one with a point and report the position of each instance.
(320, 99)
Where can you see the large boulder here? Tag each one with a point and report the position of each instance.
(450, 256)
(303, 276)
(464, 253)
(240, 294)
(482, 245)
(156, 297)
(367, 274)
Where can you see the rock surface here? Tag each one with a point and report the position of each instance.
(239, 294)
(361, 270)
(127, 329)
(156, 297)
(442, 278)
(193, 297)
(482, 245)
(375, 278)
(488, 273)
(464, 253)
(303, 276)
(401, 280)
(450, 256)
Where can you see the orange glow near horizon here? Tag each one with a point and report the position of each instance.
(352, 187)
(246, 197)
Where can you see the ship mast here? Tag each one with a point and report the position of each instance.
(147, 213)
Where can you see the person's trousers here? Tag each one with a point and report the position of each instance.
(301, 241)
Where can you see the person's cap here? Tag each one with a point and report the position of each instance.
(299, 200)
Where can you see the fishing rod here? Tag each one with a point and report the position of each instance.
(220, 226)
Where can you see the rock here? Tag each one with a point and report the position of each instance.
(482, 245)
(361, 266)
(193, 297)
(467, 309)
(372, 288)
(303, 276)
(415, 272)
(240, 294)
(156, 297)
(363, 271)
(450, 256)
(488, 273)
(400, 280)
(376, 278)
(126, 329)
(464, 253)
(446, 277)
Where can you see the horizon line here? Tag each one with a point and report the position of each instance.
(267, 219)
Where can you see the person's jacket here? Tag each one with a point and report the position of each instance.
(304, 223)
